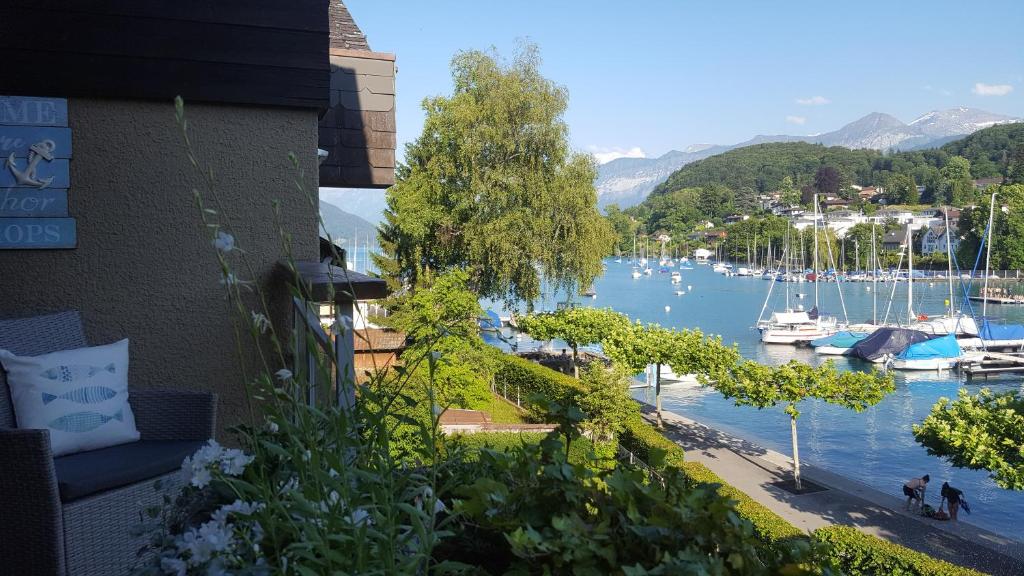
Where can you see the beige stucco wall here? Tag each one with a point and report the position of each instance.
(144, 267)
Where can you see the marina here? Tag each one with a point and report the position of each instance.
(875, 447)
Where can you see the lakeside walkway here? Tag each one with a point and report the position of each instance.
(754, 469)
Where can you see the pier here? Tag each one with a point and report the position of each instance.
(993, 364)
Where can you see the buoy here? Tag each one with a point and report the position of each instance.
(668, 308)
(869, 288)
(689, 288)
(680, 292)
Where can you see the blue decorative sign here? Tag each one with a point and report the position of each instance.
(35, 233)
(35, 154)
(26, 202)
(30, 111)
(17, 140)
(31, 172)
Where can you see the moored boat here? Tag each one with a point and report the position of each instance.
(940, 353)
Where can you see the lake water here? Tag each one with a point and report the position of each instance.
(875, 447)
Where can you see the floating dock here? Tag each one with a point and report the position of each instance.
(992, 364)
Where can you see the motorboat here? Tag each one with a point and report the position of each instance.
(676, 277)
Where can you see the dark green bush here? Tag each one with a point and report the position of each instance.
(860, 554)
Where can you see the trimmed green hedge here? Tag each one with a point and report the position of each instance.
(579, 452)
(771, 528)
(852, 551)
(860, 554)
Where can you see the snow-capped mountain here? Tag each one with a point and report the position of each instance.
(627, 181)
(957, 122)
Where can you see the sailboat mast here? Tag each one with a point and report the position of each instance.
(814, 260)
(874, 278)
(988, 255)
(910, 276)
(949, 263)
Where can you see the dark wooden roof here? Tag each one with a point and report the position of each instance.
(319, 277)
(263, 52)
(345, 33)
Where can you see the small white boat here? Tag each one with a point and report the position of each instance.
(677, 277)
(636, 273)
(647, 271)
(741, 271)
(679, 292)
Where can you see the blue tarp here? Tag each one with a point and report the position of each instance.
(990, 331)
(843, 339)
(941, 347)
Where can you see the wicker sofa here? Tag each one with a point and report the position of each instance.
(78, 514)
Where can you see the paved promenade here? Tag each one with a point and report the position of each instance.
(754, 469)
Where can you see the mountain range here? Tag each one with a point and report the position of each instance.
(343, 226)
(627, 181)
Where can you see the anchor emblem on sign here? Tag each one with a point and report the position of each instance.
(36, 153)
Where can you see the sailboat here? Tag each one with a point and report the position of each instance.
(838, 344)
(636, 270)
(795, 326)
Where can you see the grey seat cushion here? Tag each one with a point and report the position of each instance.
(86, 473)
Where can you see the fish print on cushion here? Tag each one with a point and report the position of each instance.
(84, 395)
(84, 421)
(76, 372)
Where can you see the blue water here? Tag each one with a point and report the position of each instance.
(875, 447)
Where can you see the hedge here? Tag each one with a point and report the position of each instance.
(771, 528)
(852, 551)
(579, 452)
(860, 554)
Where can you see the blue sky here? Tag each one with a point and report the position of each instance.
(660, 75)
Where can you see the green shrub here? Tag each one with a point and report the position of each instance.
(857, 554)
(770, 528)
(582, 451)
(649, 445)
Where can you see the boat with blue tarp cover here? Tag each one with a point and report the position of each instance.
(939, 353)
(885, 343)
(839, 343)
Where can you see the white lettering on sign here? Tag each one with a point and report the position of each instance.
(23, 111)
(30, 111)
(32, 233)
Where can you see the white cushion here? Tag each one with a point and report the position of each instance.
(80, 396)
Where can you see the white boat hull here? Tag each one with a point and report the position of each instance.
(934, 364)
(831, 350)
(790, 336)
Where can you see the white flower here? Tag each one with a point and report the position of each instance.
(201, 478)
(435, 355)
(260, 321)
(231, 462)
(283, 374)
(237, 507)
(173, 566)
(224, 242)
(231, 281)
(272, 427)
(359, 517)
(307, 456)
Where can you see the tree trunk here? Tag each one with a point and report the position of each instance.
(657, 393)
(796, 456)
(575, 362)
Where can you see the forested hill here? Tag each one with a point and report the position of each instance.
(765, 167)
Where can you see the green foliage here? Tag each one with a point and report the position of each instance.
(901, 189)
(469, 446)
(606, 400)
(1007, 233)
(980, 432)
(577, 326)
(529, 510)
(988, 150)
(624, 228)
(753, 384)
(440, 318)
(649, 445)
(491, 187)
(860, 554)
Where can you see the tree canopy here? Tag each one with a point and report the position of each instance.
(980, 432)
(491, 187)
